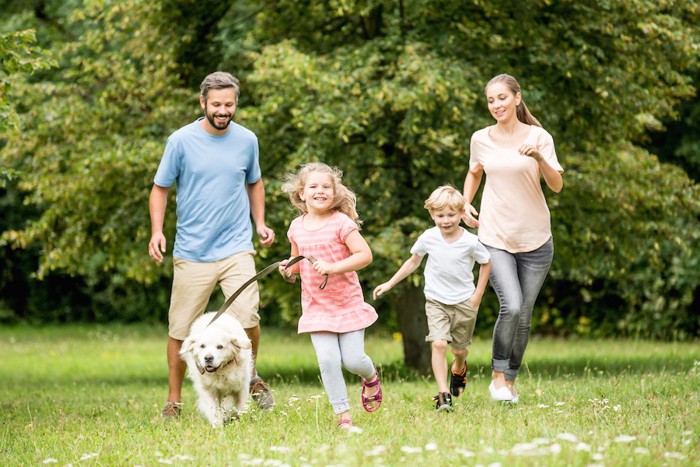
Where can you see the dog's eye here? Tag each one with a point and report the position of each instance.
(201, 346)
(219, 346)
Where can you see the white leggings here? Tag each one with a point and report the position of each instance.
(335, 351)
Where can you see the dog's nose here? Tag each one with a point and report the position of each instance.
(208, 358)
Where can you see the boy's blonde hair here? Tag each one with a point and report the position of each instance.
(443, 197)
(344, 199)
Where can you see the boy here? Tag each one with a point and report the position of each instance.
(452, 301)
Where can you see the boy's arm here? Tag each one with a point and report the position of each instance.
(406, 269)
(484, 271)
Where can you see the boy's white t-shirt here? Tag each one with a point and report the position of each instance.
(449, 276)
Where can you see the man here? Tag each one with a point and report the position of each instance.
(214, 163)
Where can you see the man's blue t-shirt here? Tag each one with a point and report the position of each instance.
(211, 172)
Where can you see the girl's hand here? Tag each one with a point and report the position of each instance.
(323, 267)
(380, 289)
(469, 216)
(530, 151)
(287, 274)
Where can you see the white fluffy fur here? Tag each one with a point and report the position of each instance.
(220, 362)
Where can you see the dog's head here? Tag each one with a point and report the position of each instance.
(211, 350)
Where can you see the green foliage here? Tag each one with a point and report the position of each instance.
(389, 92)
(18, 55)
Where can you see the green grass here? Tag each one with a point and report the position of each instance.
(86, 395)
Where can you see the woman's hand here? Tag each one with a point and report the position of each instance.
(530, 151)
(469, 215)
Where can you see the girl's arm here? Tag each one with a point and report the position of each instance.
(406, 269)
(360, 256)
(471, 185)
(289, 274)
(484, 271)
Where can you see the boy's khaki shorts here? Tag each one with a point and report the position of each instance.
(451, 323)
(193, 284)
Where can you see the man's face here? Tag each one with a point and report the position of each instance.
(219, 108)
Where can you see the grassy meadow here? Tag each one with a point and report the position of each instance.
(88, 395)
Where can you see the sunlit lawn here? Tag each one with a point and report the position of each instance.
(87, 396)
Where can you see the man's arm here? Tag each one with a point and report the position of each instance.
(256, 195)
(156, 207)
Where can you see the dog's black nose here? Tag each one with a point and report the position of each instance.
(208, 358)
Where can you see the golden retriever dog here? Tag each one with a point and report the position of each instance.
(220, 361)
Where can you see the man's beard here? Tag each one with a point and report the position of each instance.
(212, 120)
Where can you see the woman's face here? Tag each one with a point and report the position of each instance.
(502, 102)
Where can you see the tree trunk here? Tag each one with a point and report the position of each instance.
(410, 311)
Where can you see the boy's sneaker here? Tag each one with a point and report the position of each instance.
(458, 381)
(443, 402)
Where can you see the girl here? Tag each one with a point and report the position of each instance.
(514, 223)
(333, 308)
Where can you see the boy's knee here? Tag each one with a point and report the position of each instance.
(439, 345)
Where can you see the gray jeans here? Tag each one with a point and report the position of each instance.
(517, 279)
(335, 351)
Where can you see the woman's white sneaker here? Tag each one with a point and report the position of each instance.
(501, 394)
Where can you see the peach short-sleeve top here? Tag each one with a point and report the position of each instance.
(513, 215)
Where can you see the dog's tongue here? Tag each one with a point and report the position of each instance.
(210, 369)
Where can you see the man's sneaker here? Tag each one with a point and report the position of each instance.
(171, 411)
(443, 402)
(458, 381)
(261, 393)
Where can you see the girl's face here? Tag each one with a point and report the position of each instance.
(318, 192)
(502, 102)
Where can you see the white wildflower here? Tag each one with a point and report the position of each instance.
(88, 456)
(559, 404)
(542, 406)
(279, 449)
(410, 450)
(465, 453)
(642, 451)
(375, 451)
(674, 455)
(567, 437)
(597, 456)
(624, 439)
(50, 460)
(555, 448)
(583, 447)
(431, 446)
(163, 460)
(616, 407)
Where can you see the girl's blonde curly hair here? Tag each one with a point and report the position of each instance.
(344, 199)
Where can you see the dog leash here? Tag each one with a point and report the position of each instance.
(260, 275)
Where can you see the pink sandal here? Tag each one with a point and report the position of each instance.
(367, 401)
(346, 424)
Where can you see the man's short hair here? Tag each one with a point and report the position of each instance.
(219, 80)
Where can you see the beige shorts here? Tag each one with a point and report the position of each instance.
(451, 323)
(193, 284)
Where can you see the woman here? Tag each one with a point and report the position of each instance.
(514, 223)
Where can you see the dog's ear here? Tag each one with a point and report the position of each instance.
(187, 346)
(246, 344)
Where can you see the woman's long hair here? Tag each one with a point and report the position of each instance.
(521, 110)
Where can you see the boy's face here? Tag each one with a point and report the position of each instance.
(446, 219)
